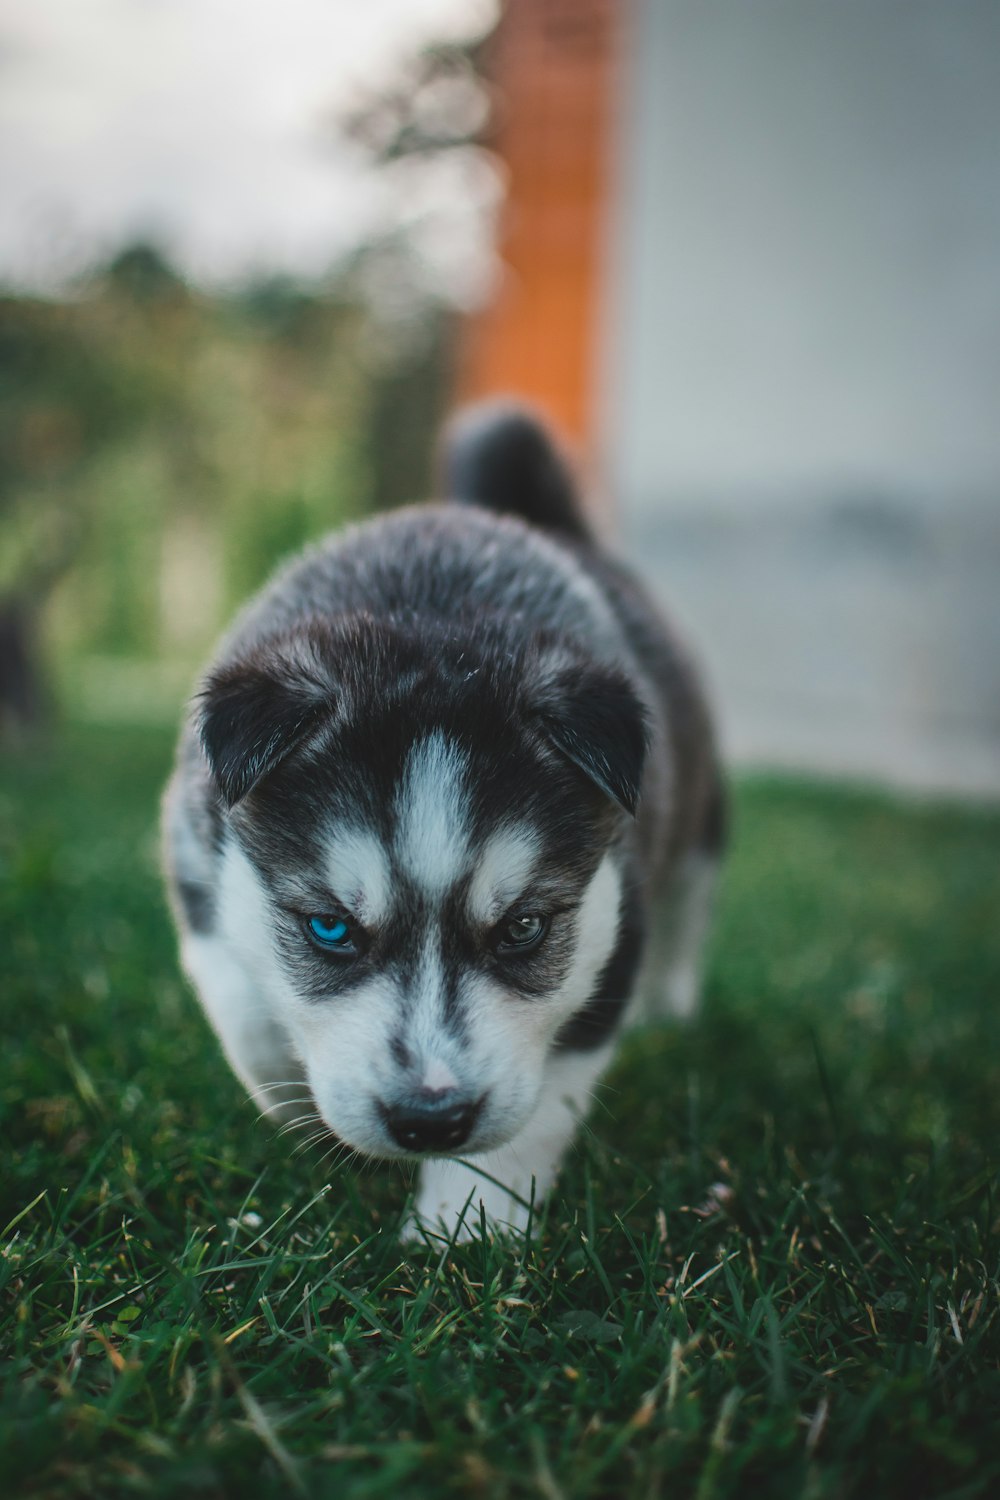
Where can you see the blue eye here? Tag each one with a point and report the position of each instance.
(330, 932)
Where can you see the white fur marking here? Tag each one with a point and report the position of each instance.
(526, 1166)
(234, 973)
(502, 871)
(358, 872)
(244, 910)
(596, 930)
(432, 834)
(423, 1019)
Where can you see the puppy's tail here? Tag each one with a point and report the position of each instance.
(500, 456)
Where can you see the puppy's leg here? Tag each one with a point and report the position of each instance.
(258, 1049)
(451, 1194)
(678, 929)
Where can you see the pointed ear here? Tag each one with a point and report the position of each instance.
(254, 713)
(593, 716)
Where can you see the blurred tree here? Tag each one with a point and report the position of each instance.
(161, 449)
(437, 102)
(433, 112)
(61, 402)
(142, 274)
(407, 408)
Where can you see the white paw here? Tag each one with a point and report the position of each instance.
(453, 1202)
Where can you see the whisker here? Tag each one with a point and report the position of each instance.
(339, 1154)
(259, 1095)
(317, 1138)
(268, 1115)
(335, 1157)
(593, 1095)
(298, 1122)
(278, 1083)
(311, 1140)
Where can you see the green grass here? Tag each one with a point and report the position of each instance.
(770, 1266)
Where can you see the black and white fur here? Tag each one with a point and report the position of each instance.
(431, 723)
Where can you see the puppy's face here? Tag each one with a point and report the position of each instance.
(424, 873)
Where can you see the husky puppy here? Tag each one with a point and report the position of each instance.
(449, 780)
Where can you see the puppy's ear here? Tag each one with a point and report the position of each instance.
(593, 716)
(253, 713)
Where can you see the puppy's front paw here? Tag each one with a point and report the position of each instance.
(453, 1200)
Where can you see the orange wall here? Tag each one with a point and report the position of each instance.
(551, 62)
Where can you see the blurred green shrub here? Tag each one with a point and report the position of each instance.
(160, 450)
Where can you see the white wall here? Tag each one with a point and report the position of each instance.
(809, 282)
(802, 370)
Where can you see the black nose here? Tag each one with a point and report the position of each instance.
(431, 1121)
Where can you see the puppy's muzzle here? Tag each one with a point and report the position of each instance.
(432, 1120)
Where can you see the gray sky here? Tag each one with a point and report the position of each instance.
(203, 124)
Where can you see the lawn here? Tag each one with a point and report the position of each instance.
(771, 1265)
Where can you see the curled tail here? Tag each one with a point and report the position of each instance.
(500, 456)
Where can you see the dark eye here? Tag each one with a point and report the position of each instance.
(520, 933)
(331, 933)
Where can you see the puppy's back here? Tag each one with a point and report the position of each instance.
(499, 457)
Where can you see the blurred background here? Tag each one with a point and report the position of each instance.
(746, 257)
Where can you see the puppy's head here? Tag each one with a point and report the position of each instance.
(422, 866)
